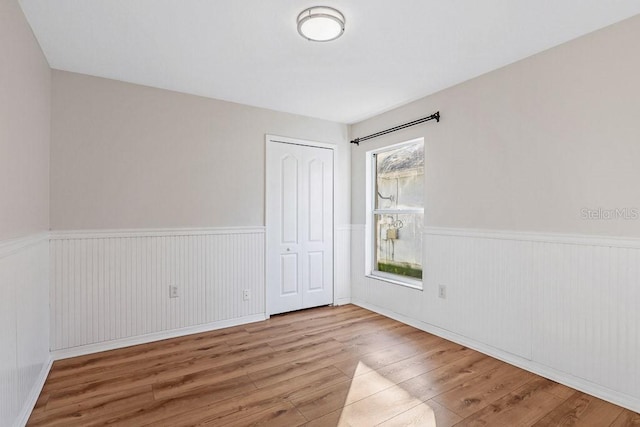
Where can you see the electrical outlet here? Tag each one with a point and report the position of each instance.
(173, 292)
(246, 295)
(442, 291)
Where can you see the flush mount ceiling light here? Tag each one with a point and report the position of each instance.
(320, 24)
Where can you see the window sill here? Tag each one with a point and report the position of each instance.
(413, 284)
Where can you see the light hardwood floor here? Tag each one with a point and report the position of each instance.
(324, 367)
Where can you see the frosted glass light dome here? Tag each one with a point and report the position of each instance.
(320, 23)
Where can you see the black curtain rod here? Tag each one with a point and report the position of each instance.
(435, 116)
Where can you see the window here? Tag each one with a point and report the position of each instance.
(396, 213)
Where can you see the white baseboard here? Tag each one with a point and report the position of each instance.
(342, 301)
(580, 384)
(30, 403)
(157, 336)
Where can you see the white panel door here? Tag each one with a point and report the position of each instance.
(299, 211)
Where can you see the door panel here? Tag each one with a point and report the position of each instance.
(299, 219)
(289, 204)
(316, 268)
(316, 219)
(289, 276)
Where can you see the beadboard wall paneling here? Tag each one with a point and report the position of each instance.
(488, 279)
(112, 286)
(342, 288)
(24, 325)
(563, 306)
(588, 322)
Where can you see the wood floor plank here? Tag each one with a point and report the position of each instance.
(559, 390)
(413, 353)
(375, 329)
(368, 343)
(381, 351)
(438, 356)
(427, 414)
(378, 358)
(77, 365)
(320, 402)
(330, 420)
(179, 386)
(479, 392)
(333, 330)
(273, 375)
(285, 335)
(153, 412)
(284, 414)
(83, 413)
(380, 326)
(445, 378)
(305, 319)
(144, 376)
(581, 410)
(39, 408)
(323, 367)
(125, 367)
(627, 419)
(96, 401)
(230, 410)
(523, 407)
(374, 409)
(312, 361)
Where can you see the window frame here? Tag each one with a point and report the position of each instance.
(372, 211)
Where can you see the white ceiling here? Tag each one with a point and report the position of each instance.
(249, 51)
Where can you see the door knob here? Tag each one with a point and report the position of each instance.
(288, 249)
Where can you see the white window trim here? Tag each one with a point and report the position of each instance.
(370, 229)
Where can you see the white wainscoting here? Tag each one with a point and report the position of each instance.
(24, 325)
(566, 307)
(110, 289)
(342, 264)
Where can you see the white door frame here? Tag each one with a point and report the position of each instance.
(287, 140)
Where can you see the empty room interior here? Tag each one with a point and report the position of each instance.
(346, 213)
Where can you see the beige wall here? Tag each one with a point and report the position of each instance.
(129, 156)
(527, 147)
(25, 80)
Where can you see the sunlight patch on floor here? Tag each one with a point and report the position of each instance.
(373, 399)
